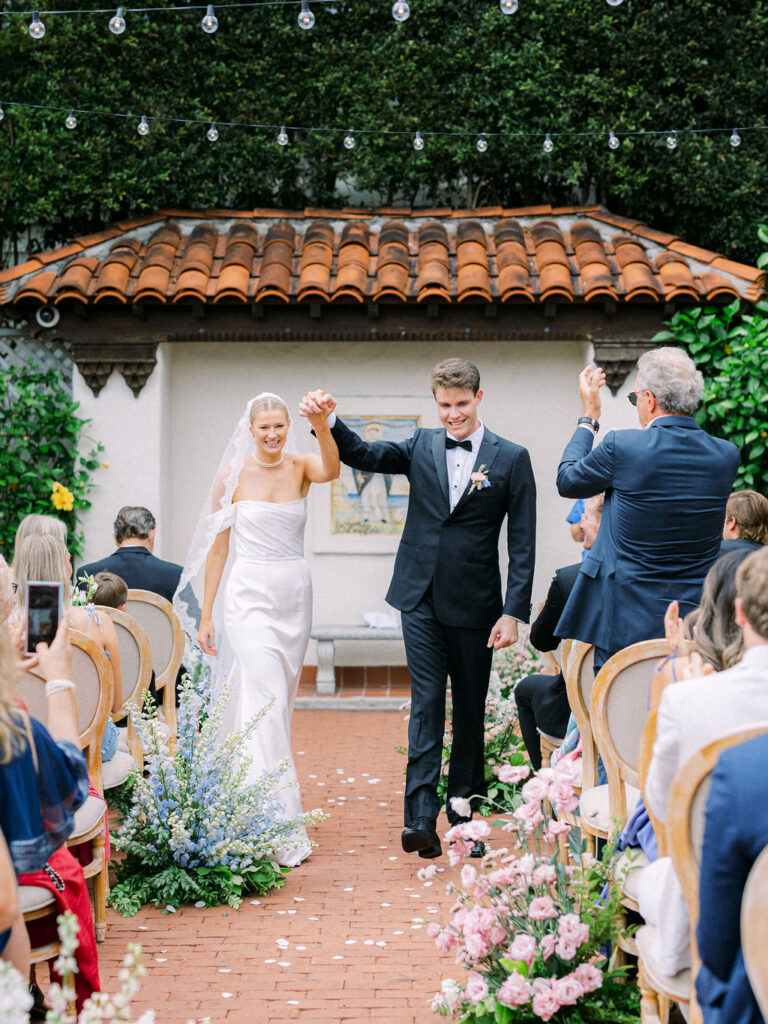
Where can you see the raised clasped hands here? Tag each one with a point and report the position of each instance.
(316, 407)
(591, 379)
(504, 633)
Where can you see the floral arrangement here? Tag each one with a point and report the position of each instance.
(16, 999)
(479, 480)
(195, 830)
(504, 747)
(84, 591)
(528, 928)
(62, 499)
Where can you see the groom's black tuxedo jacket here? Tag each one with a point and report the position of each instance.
(458, 552)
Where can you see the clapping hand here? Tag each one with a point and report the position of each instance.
(591, 379)
(674, 629)
(317, 406)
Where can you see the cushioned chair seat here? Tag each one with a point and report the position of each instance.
(34, 897)
(677, 987)
(554, 741)
(115, 771)
(594, 806)
(628, 870)
(87, 816)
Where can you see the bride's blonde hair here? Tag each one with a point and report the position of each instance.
(265, 403)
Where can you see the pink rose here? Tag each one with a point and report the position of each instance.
(525, 865)
(565, 949)
(590, 977)
(541, 908)
(514, 991)
(445, 941)
(428, 872)
(545, 874)
(545, 1003)
(530, 815)
(558, 828)
(568, 770)
(512, 772)
(461, 806)
(523, 948)
(547, 946)
(433, 929)
(471, 830)
(562, 797)
(468, 877)
(534, 790)
(451, 993)
(571, 928)
(567, 990)
(476, 988)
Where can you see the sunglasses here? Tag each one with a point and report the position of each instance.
(633, 396)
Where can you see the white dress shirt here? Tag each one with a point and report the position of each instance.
(460, 463)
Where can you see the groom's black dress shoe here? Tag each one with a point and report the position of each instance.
(421, 836)
(478, 849)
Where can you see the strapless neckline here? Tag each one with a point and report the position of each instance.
(256, 501)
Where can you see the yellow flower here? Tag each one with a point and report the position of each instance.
(105, 465)
(62, 498)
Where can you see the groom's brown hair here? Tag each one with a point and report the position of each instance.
(456, 373)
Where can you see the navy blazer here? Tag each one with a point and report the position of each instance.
(666, 488)
(735, 834)
(458, 552)
(140, 569)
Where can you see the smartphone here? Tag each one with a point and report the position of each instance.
(45, 606)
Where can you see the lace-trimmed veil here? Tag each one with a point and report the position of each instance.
(217, 514)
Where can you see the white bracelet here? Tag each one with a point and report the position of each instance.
(57, 685)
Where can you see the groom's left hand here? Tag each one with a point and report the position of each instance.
(504, 633)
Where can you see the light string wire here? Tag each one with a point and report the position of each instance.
(629, 133)
(162, 10)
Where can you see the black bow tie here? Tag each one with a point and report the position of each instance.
(452, 443)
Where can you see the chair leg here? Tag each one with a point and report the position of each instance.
(169, 710)
(590, 842)
(649, 1000)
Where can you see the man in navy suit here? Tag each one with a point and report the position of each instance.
(464, 481)
(133, 561)
(666, 487)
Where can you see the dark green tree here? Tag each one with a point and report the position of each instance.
(555, 66)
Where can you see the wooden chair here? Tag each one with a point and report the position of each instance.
(552, 666)
(92, 676)
(579, 680)
(619, 709)
(685, 830)
(136, 663)
(754, 930)
(166, 637)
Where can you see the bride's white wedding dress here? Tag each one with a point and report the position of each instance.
(267, 619)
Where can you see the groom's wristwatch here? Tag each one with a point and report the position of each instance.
(587, 420)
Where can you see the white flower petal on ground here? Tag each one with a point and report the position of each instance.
(225, 970)
(338, 957)
(351, 942)
(256, 903)
(282, 943)
(227, 995)
(200, 903)
(298, 899)
(386, 904)
(372, 782)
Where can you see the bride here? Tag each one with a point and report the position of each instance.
(247, 563)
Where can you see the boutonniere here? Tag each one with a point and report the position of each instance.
(479, 480)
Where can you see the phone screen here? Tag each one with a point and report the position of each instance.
(44, 611)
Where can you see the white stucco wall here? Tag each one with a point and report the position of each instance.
(164, 446)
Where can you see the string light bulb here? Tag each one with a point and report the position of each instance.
(36, 27)
(735, 139)
(672, 141)
(213, 132)
(548, 145)
(210, 22)
(117, 22)
(306, 17)
(508, 6)
(282, 137)
(613, 141)
(143, 127)
(2, 112)
(482, 144)
(614, 3)
(401, 11)
(418, 142)
(70, 120)
(349, 140)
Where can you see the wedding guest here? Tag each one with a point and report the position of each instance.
(35, 523)
(134, 561)
(574, 520)
(43, 780)
(666, 487)
(111, 591)
(734, 837)
(691, 714)
(746, 522)
(44, 557)
(542, 700)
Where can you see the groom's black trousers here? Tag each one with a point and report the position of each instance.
(436, 651)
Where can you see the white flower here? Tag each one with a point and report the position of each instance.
(461, 806)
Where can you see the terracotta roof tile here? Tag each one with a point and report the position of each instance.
(395, 254)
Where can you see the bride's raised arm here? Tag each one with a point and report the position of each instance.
(319, 469)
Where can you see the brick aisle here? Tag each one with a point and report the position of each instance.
(356, 950)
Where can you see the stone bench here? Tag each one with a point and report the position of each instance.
(327, 636)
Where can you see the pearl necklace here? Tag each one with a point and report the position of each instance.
(269, 465)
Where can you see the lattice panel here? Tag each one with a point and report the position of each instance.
(18, 349)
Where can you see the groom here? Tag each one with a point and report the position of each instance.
(464, 480)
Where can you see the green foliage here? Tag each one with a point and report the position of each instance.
(40, 434)
(731, 350)
(173, 885)
(556, 66)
